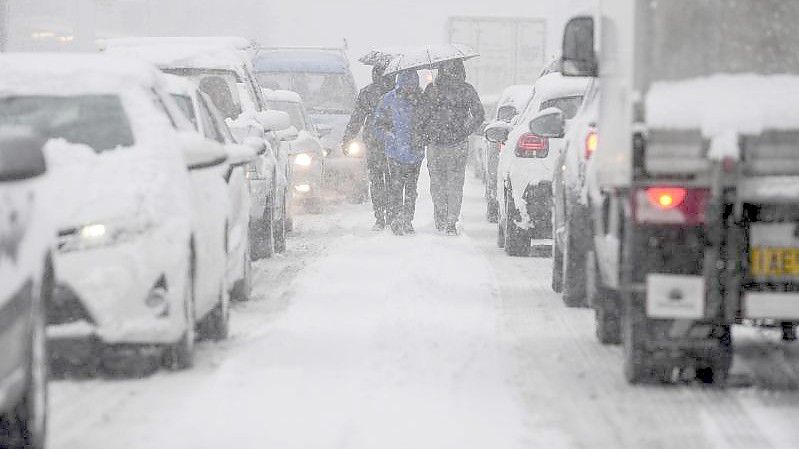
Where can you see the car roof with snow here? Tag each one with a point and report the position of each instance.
(182, 55)
(555, 85)
(518, 96)
(282, 95)
(74, 74)
(301, 60)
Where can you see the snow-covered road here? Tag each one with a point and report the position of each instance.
(362, 340)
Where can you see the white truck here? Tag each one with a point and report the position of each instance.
(694, 188)
(513, 50)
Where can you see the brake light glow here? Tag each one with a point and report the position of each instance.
(532, 145)
(666, 197)
(591, 142)
(670, 205)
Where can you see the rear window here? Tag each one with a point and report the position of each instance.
(568, 105)
(98, 121)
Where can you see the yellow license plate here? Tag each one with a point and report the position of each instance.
(774, 262)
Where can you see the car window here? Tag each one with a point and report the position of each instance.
(568, 105)
(99, 121)
(219, 85)
(322, 92)
(185, 104)
(210, 129)
(294, 110)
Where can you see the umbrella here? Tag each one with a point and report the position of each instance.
(380, 55)
(429, 57)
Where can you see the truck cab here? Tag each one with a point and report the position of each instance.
(693, 220)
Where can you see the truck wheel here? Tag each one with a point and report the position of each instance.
(573, 271)
(639, 363)
(716, 368)
(216, 326)
(180, 356)
(517, 241)
(262, 234)
(557, 267)
(605, 302)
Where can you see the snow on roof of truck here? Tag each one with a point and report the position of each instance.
(301, 60)
(58, 73)
(282, 95)
(555, 85)
(183, 55)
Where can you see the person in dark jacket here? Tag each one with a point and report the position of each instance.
(399, 123)
(362, 119)
(455, 112)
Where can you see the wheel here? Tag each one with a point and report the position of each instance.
(639, 364)
(216, 326)
(279, 227)
(573, 271)
(557, 267)
(501, 233)
(180, 356)
(716, 369)
(242, 288)
(492, 207)
(262, 234)
(26, 426)
(517, 241)
(605, 303)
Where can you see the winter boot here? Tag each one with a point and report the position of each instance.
(452, 230)
(408, 228)
(380, 225)
(397, 228)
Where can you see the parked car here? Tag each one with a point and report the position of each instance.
(571, 238)
(306, 153)
(323, 79)
(511, 103)
(207, 121)
(224, 73)
(524, 175)
(27, 240)
(140, 257)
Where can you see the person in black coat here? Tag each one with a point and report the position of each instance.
(363, 119)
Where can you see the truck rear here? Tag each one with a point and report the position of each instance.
(694, 189)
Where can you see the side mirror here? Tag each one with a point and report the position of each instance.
(21, 157)
(240, 154)
(549, 123)
(287, 134)
(199, 152)
(497, 132)
(579, 55)
(256, 144)
(324, 130)
(274, 120)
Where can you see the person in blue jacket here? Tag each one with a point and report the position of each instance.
(399, 123)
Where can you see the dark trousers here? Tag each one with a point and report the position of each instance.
(403, 190)
(447, 165)
(377, 164)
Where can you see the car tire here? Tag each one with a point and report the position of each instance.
(279, 228)
(605, 302)
(574, 266)
(557, 267)
(180, 356)
(243, 287)
(26, 426)
(262, 234)
(501, 230)
(640, 366)
(716, 367)
(216, 326)
(517, 241)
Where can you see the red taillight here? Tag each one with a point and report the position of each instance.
(671, 205)
(532, 145)
(591, 142)
(501, 146)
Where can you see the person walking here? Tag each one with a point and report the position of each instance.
(399, 122)
(455, 112)
(362, 119)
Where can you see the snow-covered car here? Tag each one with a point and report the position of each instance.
(205, 118)
(571, 234)
(223, 71)
(524, 175)
(306, 153)
(139, 262)
(323, 79)
(27, 239)
(511, 103)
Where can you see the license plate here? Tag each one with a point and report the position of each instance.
(774, 251)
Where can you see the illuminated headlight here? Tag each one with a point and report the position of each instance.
(302, 188)
(97, 235)
(354, 149)
(303, 160)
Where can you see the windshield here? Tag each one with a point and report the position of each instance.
(691, 38)
(294, 111)
(322, 92)
(220, 85)
(185, 104)
(98, 121)
(568, 105)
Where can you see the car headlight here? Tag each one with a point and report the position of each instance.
(97, 235)
(303, 160)
(354, 149)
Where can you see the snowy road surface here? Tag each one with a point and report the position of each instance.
(364, 341)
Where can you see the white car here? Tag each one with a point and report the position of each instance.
(141, 257)
(306, 151)
(205, 118)
(223, 71)
(527, 164)
(27, 240)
